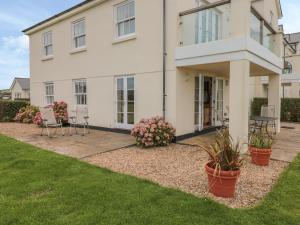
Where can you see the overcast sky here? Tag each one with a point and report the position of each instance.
(16, 15)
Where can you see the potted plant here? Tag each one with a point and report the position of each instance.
(260, 147)
(223, 167)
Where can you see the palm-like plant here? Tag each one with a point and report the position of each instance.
(224, 154)
(260, 141)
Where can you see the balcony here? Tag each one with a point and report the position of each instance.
(206, 41)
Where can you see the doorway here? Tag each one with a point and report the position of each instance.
(209, 99)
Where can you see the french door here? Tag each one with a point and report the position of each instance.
(125, 103)
(216, 98)
(219, 101)
(209, 25)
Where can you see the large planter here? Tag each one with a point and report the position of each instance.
(260, 157)
(222, 183)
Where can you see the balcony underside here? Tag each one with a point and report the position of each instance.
(215, 57)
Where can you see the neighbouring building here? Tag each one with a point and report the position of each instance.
(188, 60)
(290, 87)
(20, 88)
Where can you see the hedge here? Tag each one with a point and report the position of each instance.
(9, 109)
(290, 108)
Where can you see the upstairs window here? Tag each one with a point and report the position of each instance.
(49, 88)
(80, 92)
(79, 33)
(47, 41)
(125, 18)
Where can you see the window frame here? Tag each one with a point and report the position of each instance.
(75, 37)
(117, 22)
(85, 94)
(47, 95)
(47, 45)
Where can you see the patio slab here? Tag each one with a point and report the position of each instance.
(285, 148)
(76, 146)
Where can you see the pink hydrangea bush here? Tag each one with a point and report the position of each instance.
(153, 132)
(61, 111)
(26, 114)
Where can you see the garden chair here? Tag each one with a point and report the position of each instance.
(49, 121)
(80, 119)
(269, 111)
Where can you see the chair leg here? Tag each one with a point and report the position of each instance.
(62, 131)
(48, 132)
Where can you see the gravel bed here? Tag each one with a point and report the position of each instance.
(182, 167)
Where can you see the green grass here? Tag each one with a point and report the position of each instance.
(41, 187)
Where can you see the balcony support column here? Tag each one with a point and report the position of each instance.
(274, 97)
(239, 100)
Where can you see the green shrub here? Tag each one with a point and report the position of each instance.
(290, 108)
(9, 109)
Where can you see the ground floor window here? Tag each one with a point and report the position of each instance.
(80, 92)
(125, 101)
(18, 95)
(49, 89)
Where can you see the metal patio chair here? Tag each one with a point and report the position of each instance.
(269, 111)
(49, 121)
(80, 119)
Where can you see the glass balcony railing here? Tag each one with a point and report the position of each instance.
(261, 33)
(206, 25)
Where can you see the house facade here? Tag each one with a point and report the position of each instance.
(190, 61)
(20, 88)
(290, 80)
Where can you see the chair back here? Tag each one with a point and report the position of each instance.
(81, 114)
(47, 113)
(268, 111)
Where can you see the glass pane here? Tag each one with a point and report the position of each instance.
(126, 27)
(255, 28)
(197, 118)
(130, 83)
(131, 9)
(120, 84)
(130, 107)
(130, 95)
(120, 95)
(120, 107)
(120, 118)
(132, 26)
(130, 118)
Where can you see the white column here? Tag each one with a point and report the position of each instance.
(240, 17)
(239, 100)
(274, 97)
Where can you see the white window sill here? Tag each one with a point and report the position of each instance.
(48, 57)
(124, 38)
(77, 50)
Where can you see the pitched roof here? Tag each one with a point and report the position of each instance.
(23, 82)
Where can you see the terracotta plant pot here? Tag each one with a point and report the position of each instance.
(260, 157)
(222, 184)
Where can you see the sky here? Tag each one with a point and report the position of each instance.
(16, 15)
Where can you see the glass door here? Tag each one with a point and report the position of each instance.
(125, 102)
(199, 102)
(219, 101)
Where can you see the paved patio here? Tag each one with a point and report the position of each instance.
(76, 146)
(285, 148)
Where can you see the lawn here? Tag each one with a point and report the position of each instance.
(41, 187)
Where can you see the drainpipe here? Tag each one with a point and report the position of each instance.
(164, 58)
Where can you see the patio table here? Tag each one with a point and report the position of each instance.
(263, 121)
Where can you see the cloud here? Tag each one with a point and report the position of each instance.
(13, 58)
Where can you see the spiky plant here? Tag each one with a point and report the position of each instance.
(260, 141)
(225, 154)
